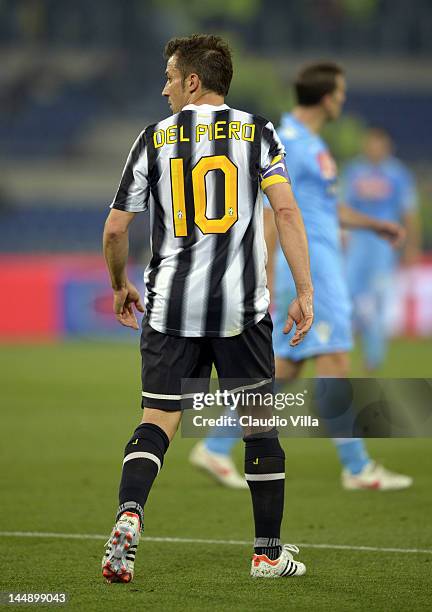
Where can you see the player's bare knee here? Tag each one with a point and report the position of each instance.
(286, 369)
(343, 364)
(168, 421)
(336, 365)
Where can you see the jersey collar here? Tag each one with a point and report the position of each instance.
(207, 107)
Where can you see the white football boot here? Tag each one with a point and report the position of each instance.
(119, 559)
(285, 566)
(221, 467)
(375, 477)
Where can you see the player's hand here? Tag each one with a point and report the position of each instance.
(392, 232)
(124, 301)
(300, 312)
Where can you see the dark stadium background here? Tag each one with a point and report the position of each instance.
(78, 82)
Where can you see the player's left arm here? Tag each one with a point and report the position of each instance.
(275, 183)
(271, 240)
(349, 218)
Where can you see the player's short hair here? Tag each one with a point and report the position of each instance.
(315, 81)
(206, 55)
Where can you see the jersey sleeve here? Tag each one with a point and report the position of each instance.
(272, 163)
(134, 189)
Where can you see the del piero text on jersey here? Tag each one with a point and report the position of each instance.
(236, 130)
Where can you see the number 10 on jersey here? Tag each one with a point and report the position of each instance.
(199, 172)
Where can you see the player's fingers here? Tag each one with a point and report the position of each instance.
(296, 339)
(126, 316)
(122, 319)
(133, 322)
(301, 330)
(300, 326)
(139, 306)
(288, 325)
(131, 318)
(306, 324)
(127, 320)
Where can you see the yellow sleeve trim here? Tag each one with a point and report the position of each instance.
(275, 159)
(272, 180)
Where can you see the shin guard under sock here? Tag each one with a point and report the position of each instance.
(265, 475)
(143, 459)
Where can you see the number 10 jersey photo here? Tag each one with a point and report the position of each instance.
(199, 173)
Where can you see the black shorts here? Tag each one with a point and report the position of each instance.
(166, 360)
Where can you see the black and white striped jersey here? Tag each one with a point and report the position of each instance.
(199, 173)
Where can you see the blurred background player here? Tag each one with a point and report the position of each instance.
(320, 93)
(379, 185)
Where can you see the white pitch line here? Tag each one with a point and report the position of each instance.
(92, 536)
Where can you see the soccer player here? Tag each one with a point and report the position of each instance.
(320, 91)
(380, 186)
(199, 172)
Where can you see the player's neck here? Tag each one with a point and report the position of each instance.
(312, 117)
(206, 97)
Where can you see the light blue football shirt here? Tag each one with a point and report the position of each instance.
(313, 175)
(384, 191)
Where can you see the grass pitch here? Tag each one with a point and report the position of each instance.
(67, 411)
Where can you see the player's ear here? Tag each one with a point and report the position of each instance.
(193, 82)
(326, 101)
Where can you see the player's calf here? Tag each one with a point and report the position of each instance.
(143, 459)
(265, 475)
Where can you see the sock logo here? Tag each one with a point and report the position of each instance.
(135, 443)
(256, 461)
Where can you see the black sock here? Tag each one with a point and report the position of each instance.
(265, 475)
(143, 459)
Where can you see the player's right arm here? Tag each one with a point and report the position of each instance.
(131, 198)
(293, 241)
(116, 248)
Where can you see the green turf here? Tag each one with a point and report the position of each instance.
(66, 412)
